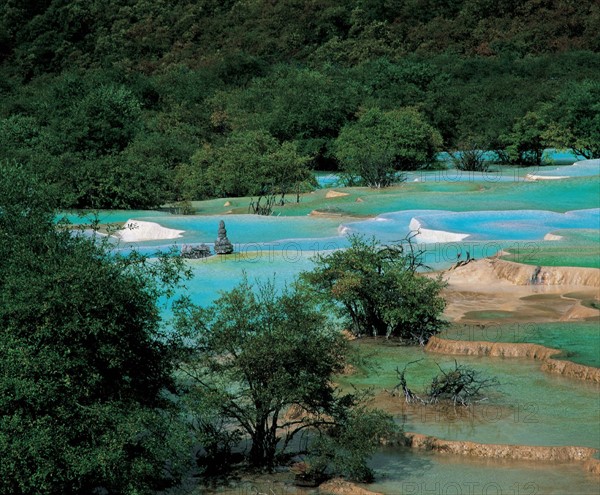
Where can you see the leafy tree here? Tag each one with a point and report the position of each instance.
(470, 156)
(575, 115)
(377, 290)
(345, 448)
(84, 371)
(264, 361)
(301, 105)
(390, 85)
(526, 143)
(247, 163)
(103, 122)
(379, 144)
(20, 134)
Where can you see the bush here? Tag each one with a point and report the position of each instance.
(377, 290)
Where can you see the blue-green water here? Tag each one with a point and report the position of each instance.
(402, 471)
(579, 341)
(529, 407)
(498, 210)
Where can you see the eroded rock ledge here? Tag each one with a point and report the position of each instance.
(593, 466)
(339, 486)
(501, 451)
(511, 350)
(490, 269)
(494, 349)
(573, 370)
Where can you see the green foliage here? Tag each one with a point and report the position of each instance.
(103, 122)
(301, 105)
(469, 156)
(525, 143)
(379, 144)
(344, 448)
(575, 115)
(84, 369)
(390, 85)
(264, 361)
(247, 163)
(377, 290)
(92, 91)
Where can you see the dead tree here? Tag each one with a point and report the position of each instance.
(462, 385)
(265, 208)
(409, 395)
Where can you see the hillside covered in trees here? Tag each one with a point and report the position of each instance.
(122, 103)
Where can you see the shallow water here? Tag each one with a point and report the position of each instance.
(578, 247)
(529, 407)
(221, 273)
(579, 341)
(111, 216)
(478, 225)
(402, 471)
(498, 210)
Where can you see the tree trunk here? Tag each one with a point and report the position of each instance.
(264, 445)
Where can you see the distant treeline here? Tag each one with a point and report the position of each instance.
(122, 103)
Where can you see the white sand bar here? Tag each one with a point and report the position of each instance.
(546, 177)
(137, 230)
(433, 236)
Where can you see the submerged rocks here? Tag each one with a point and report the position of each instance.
(222, 244)
(335, 194)
(195, 252)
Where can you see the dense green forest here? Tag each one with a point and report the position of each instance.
(122, 103)
(138, 104)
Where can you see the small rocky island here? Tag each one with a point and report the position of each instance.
(222, 244)
(195, 252)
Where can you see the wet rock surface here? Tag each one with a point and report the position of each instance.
(222, 244)
(510, 350)
(195, 252)
(499, 451)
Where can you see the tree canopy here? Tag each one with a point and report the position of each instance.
(84, 373)
(377, 290)
(247, 163)
(108, 100)
(380, 144)
(264, 360)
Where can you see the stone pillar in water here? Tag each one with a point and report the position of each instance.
(222, 244)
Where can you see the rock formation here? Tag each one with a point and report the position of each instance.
(517, 452)
(195, 252)
(339, 486)
(493, 269)
(222, 244)
(512, 350)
